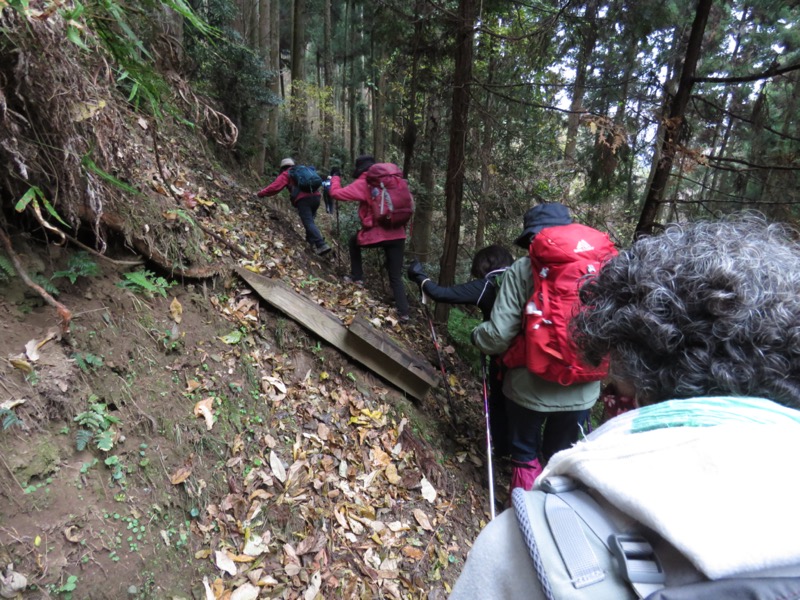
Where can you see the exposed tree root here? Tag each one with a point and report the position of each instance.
(63, 311)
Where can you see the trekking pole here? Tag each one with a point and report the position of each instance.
(338, 234)
(488, 436)
(435, 339)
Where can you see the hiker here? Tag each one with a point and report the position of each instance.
(304, 197)
(372, 235)
(702, 325)
(488, 266)
(543, 417)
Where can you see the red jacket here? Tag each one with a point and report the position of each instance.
(283, 181)
(358, 191)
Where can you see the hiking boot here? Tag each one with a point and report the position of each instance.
(404, 319)
(355, 282)
(322, 249)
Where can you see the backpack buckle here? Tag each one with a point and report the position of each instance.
(637, 559)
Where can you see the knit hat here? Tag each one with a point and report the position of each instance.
(539, 217)
(363, 163)
(287, 162)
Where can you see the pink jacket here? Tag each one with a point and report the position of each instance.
(283, 181)
(358, 191)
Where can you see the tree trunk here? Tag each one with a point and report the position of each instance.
(420, 245)
(327, 65)
(379, 105)
(675, 121)
(275, 85)
(410, 133)
(454, 180)
(588, 34)
(262, 123)
(299, 101)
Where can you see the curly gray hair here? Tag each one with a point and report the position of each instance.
(701, 309)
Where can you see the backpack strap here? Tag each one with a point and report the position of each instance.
(636, 559)
(569, 511)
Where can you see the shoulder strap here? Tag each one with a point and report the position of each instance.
(566, 507)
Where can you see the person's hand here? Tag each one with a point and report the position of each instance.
(415, 272)
(336, 172)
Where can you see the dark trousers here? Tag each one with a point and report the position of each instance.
(534, 434)
(394, 251)
(307, 209)
(498, 419)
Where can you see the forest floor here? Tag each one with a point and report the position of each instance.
(189, 441)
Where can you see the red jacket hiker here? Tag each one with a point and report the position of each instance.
(358, 191)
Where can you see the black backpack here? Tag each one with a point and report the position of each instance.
(305, 179)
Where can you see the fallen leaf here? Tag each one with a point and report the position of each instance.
(428, 491)
(246, 591)
(234, 337)
(71, 535)
(9, 404)
(209, 593)
(21, 364)
(391, 474)
(32, 350)
(181, 475)
(422, 519)
(313, 588)
(224, 562)
(277, 467)
(204, 408)
(413, 553)
(176, 310)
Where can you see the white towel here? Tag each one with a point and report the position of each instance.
(726, 495)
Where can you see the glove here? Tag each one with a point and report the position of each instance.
(415, 272)
(336, 172)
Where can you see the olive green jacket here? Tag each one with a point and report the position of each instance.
(493, 337)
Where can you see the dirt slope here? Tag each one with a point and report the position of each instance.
(225, 444)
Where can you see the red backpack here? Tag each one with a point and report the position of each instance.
(561, 257)
(390, 199)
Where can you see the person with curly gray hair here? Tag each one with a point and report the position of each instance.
(711, 308)
(702, 324)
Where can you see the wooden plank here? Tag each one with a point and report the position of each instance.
(405, 369)
(399, 355)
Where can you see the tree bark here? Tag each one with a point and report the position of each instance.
(262, 123)
(675, 121)
(454, 181)
(299, 101)
(378, 104)
(327, 70)
(588, 34)
(275, 65)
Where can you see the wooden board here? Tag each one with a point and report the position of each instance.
(407, 370)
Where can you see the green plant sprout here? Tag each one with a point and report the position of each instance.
(96, 426)
(146, 283)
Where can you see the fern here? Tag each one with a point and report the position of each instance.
(82, 439)
(146, 282)
(9, 418)
(45, 283)
(6, 268)
(79, 265)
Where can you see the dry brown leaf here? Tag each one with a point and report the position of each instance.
(204, 408)
(391, 474)
(176, 310)
(277, 467)
(412, 553)
(422, 519)
(71, 535)
(181, 475)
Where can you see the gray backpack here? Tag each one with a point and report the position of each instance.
(578, 552)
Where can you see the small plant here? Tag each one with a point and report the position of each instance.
(146, 282)
(69, 586)
(87, 362)
(6, 268)
(79, 265)
(8, 418)
(97, 426)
